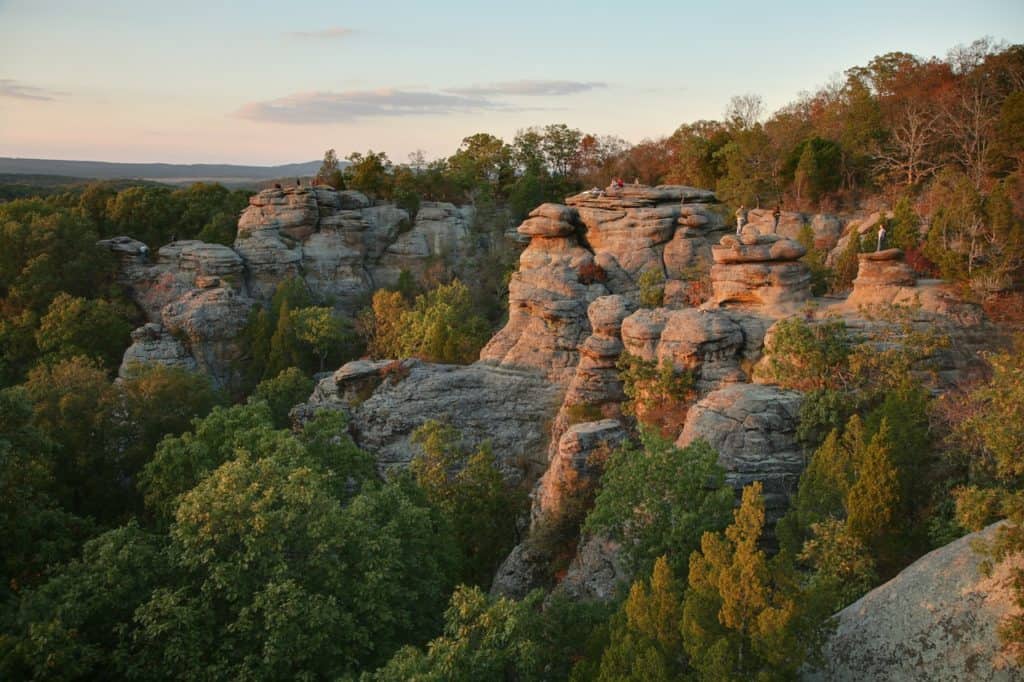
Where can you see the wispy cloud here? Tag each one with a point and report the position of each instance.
(16, 90)
(332, 33)
(335, 107)
(530, 88)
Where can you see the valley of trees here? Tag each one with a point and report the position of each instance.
(153, 527)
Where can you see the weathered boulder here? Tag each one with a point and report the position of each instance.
(936, 620)
(524, 569)
(549, 220)
(211, 322)
(597, 571)
(547, 319)
(577, 465)
(483, 402)
(759, 270)
(752, 427)
(152, 344)
(881, 278)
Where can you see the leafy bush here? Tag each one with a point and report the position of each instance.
(658, 499)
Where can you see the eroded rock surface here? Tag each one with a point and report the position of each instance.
(753, 429)
(936, 620)
(510, 408)
(759, 270)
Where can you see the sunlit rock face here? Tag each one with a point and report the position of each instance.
(936, 620)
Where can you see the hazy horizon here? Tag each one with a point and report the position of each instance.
(266, 85)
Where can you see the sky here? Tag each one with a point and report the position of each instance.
(278, 82)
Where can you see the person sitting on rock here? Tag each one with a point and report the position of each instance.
(881, 236)
(619, 183)
(776, 214)
(144, 252)
(741, 218)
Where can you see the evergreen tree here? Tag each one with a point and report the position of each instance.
(645, 641)
(743, 616)
(872, 504)
(285, 348)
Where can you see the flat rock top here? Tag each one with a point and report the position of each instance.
(631, 196)
(885, 254)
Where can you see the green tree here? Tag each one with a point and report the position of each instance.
(285, 348)
(72, 404)
(658, 500)
(443, 327)
(324, 332)
(285, 581)
(149, 214)
(180, 462)
(645, 639)
(35, 532)
(282, 393)
(469, 490)
(72, 627)
(77, 326)
(745, 617)
(330, 173)
(380, 325)
(369, 173)
(488, 638)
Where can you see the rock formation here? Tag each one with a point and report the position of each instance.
(151, 343)
(936, 620)
(753, 429)
(387, 401)
(343, 248)
(882, 277)
(759, 270)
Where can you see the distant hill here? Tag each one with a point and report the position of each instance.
(171, 173)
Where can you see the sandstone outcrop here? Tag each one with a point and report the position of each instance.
(152, 344)
(882, 277)
(578, 463)
(759, 270)
(388, 401)
(337, 242)
(597, 571)
(936, 620)
(706, 342)
(211, 321)
(753, 429)
(595, 245)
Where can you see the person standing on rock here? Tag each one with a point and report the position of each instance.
(881, 236)
(776, 214)
(741, 218)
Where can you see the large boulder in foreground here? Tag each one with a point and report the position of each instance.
(937, 620)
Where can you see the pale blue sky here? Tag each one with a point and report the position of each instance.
(273, 82)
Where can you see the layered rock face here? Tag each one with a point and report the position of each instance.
(598, 244)
(340, 245)
(343, 247)
(387, 401)
(194, 297)
(759, 270)
(936, 620)
(151, 343)
(882, 277)
(753, 429)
